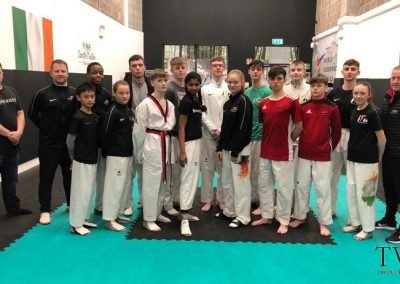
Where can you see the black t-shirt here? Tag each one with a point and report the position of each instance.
(342, 98)
(84, 126)
(363, 143)
(191, 109)
(10, 104)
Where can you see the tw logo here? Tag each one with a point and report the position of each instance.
(387, 250)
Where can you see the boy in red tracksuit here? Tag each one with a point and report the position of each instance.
(320, 135)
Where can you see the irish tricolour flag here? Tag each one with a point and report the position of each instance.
(33, 41)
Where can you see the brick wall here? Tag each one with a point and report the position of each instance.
(330, 11)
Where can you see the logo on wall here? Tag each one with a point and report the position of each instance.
(325, 57)
(85, 54)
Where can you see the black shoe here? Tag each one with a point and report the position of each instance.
(222, 216)
(98, 212)
(384, 224)
(21, 211)
(394, 238)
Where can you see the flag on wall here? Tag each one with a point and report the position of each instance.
(33, 41)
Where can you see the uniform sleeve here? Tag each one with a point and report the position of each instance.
(204, 118)
(19, 103)
(260, 113)
(375, 120)
(71, 144)
(243, 135)
(35, 109)
(74, 126)
(296, 111)
(185, 107)
(107, 131)
(336, 127)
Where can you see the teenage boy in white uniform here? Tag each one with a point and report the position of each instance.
(320, 134)
(215, 94)
(278, 114)
(156, 116)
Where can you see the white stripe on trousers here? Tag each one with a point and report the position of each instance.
(281, 172)
(174, 180)
(362, 184)
(82, 189)
(190, 174)
(101, 173)
(116, 182)
(318, 173)
(209, 164)
(236, 188)
(338, 159)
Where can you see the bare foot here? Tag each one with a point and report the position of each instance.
(221, 206)
(324, 231)
(185, 228)
(283, 229)
(151, 226)
(296, 223)
(257, 212)
(262, 221)
(206, 207)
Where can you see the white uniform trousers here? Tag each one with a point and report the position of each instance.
(137, 170)
(190, 174)
(236, 188)
(117, 181)
(319, 174)
(153, 191)
(173, 176)
(362, 184)
(209, 164)
(281, 172)
(338, 159)
(101, 173)
(255, 165)
(82, 188)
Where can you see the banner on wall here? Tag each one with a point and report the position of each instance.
(33, 41)
(325, 57)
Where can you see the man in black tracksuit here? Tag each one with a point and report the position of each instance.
(390, 115)
(51, 110)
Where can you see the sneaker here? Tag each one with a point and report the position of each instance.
(45, 218)
(394, 238)
(20, 211)
(383, 224)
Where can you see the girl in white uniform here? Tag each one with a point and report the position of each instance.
(190, 113)
(366, 146)
(156, 116)
(234, 151)
(117, 147)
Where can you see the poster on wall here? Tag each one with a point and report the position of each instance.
(325, 57)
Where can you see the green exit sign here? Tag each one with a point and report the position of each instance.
(277, 41)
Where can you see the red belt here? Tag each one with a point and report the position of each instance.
(163, 135)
